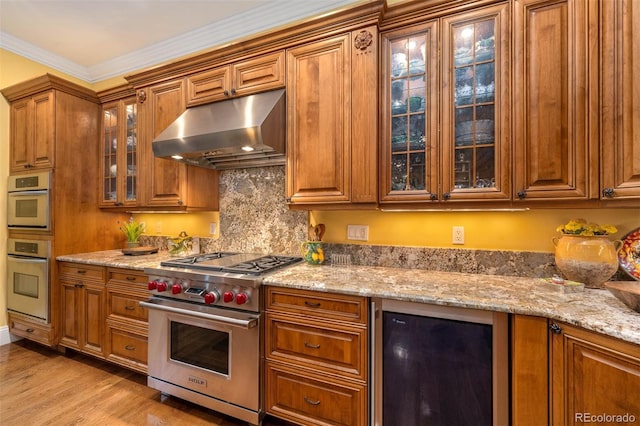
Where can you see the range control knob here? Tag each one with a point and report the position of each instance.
(242, 298)
(152, 285)
(176, 289)
(211, 297)
(161, 286)
(228, 296)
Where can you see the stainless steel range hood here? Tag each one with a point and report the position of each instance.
(241, 132)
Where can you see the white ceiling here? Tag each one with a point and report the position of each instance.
(98, 39)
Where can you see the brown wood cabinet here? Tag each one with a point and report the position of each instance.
(32, 132)
(316, 369)
(127, 327)
(163, 183)
(620, 121)
(563, 375)
(446, 109)
(119, 157)
(82, 300)
(331, 120)
(555, 100)
(592, 375)
(254, 75)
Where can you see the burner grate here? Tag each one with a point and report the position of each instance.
(262, 265)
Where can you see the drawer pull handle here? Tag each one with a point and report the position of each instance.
(78, 285)
(311, 305)
(82, 271)
(129, 308)
(311, 401)
(130, 347)
(131, 278)
(309, 345)
(29, 330)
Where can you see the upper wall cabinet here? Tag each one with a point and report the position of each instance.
(331, 121)
(238, 79)
(620, 120)
(119, 153)
(163, 183)
(32, 132)
(555, 100)
(447, 141)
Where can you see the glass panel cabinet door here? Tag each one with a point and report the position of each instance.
(119, 153)
(475, 124)
(409, 129)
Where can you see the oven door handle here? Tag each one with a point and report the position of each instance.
(248, 323)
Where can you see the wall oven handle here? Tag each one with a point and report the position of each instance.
(29, 193)
(27, 259)
(248, 323)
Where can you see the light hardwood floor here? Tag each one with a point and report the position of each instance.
(40, 386)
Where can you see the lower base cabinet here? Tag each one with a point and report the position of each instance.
(101, 313)
(31, 329)
(566, 375)
(316, 357)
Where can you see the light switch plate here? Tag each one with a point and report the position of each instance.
(358, 232)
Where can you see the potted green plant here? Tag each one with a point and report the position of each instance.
(132, 230)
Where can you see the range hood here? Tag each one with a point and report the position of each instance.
(241, 132)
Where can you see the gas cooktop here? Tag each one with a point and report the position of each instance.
(236, 263)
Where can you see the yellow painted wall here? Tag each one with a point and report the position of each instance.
(171, 224)
(530, 230)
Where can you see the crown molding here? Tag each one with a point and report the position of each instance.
(257, 20)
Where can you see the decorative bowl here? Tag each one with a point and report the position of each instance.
(628, 292)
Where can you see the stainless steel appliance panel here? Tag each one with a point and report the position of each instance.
(28, 277)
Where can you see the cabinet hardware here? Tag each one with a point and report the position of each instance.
(522, 194)
(81, 271)
(129, 308)
(311, 401)
(29, 330)
(130, 347)
(446, 196)
(233, 92)
(607, 192)
(79, 285)
(311, 305)
(226, 93)
(118, 204)
(142, 96)
(310, 346)
(180, 202)
(433, 197)
(555, 328)
(131, 278)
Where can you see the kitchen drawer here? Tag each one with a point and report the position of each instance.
(127, 346)
(312, 303)
(307, 400)
(24, 328)
(127, 307)
(82, 271)
(333, 347)
(128, 276)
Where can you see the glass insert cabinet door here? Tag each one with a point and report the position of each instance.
(120, 153)
(475, 108)
(410, 108)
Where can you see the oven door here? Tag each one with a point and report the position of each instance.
(208, 350)
(28, 286)
(28, 209)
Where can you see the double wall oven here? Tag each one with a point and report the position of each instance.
(28, 260)
(205, 329)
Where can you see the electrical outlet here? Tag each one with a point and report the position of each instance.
(458, 235)
(158, 227)
(212, 228)
(358, 232)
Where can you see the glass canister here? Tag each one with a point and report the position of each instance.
(591, 260)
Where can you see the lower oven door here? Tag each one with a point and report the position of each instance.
(211, 352)
(28, 286)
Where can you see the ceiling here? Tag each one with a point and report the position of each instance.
(98, 39)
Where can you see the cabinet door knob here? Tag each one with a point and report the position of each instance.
(233, 92)
(607, 192)
(555, 328)
(522, 194)
(446, 196)
(433, 197)
(180, 202)
(226, 93)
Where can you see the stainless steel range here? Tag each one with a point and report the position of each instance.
(204, 329)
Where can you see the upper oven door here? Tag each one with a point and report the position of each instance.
(28, 209)
(212, 351)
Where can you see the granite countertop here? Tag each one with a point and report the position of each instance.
(596, 310)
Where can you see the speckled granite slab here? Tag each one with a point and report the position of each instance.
(595, 310)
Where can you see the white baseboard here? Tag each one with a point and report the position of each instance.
(6, 337)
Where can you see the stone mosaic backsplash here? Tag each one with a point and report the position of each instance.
(254, 217)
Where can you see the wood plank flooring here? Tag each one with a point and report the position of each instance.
(40, 386)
